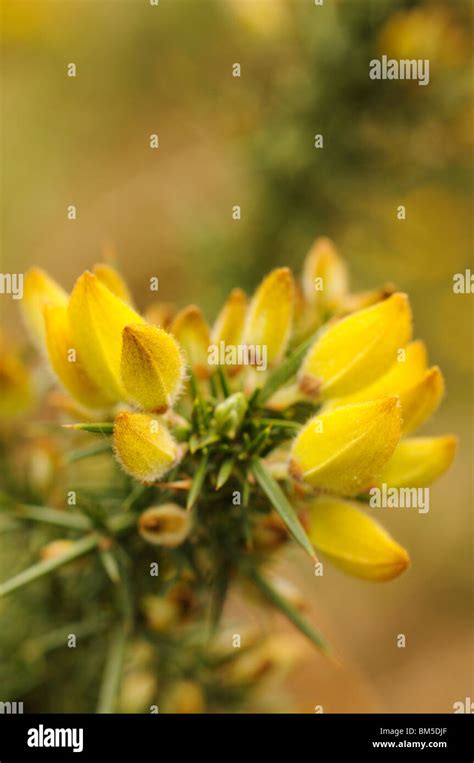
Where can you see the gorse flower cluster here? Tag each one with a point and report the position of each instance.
(228, 463)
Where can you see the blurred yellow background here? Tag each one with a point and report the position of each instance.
(249, 141)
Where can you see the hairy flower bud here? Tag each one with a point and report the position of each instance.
(152, 367)
(143, 446)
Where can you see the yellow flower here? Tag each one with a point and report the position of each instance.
(111, 278)
(353, 352)
(97, 319)
(16, 394)
(344, 450)
(166, 525)
(420, 401)
(192, 332)
(404, 374)
(324, 279)
(66, 361)
(270, 315)
(419, 461)
(229, 324)
(420, 389)
(353, 541)
(143, 446)
(40, 290)
(152, 367)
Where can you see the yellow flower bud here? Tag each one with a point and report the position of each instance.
(97, 319)
(66, 361)
(40, 290)
(419, 461)
(324, 279)
(229, 324)
(353, 352)
(421, 400)
(111, 278)
(270, 315)
(143, 446)
(152, 367)
(166, 525)
(343, 451)
(353, 541)
(192, 332)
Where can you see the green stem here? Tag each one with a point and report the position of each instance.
(197, 482)
(117, 524)
(91, 450)
(53, 517)
(286, 370)
(39, 570)
(280, 502)
(290, 611)
(112, 672)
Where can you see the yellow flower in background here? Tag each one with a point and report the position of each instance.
(97, 319)
(229, 324)
(40, 290)
(111, 278)
(353, 541)
(66, 361)
(270, 314)
(16, 393)
(143, 446)
(356, 350)
(419, 461)
(152, 367)
(344, 450)
(325, 279)
(193, 334)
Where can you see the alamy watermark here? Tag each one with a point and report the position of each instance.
(385, 497)
(12, 283)
(405, 68)
(223, 354)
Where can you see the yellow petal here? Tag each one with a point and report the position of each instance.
(353, 352)
(407, 371)
(343, 451)
(353, 541)
(419, 461)
(152, 367)
(165, 525)
(421, 400)
(111, 278)
(192, 332)
(143, 446)
(324, 279)
(230, 321)
(66, 360)
(361, 299)
(40, 290)
(270, 315)
(97, 320)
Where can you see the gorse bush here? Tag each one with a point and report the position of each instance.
(217, 447)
